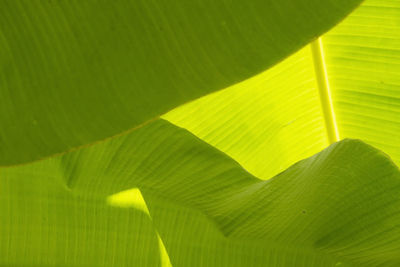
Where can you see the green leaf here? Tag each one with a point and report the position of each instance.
(78, 72)
(340, 206)
(75, 72)
(363, 60)
(278, 112)
(266, 123)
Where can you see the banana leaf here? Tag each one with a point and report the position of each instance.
(76, 72)
(91, 176)
(339, 207)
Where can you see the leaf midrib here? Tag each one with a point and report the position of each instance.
(322, 82)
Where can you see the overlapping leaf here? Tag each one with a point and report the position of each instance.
(275, 113)
(75, 72)
(339, 206)
(279, 112)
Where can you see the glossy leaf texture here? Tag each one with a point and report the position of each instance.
(339, 207)
(76, 72)
(278, 111)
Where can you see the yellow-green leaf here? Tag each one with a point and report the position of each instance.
(76, 72)
(340, 206)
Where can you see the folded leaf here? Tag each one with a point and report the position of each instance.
(75, 72)
(339, 207)
(275, 113)
(278, 112)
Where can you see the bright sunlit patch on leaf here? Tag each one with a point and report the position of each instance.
(129, 198)
(165, 262)
(133, 198)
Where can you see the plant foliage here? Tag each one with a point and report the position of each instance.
(92, 176)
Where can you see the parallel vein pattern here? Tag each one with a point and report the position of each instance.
(278, 111)
(363, 56)
(76, 72)
(275, 113)
(340, 206)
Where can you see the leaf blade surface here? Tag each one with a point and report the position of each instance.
(74, 73)
(340, 205)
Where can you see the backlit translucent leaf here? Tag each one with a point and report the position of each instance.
(278, 112)
(275, 113)
(363, 57)
(340, 206)
(76, 72)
